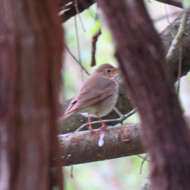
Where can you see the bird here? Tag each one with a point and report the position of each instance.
(97, 96)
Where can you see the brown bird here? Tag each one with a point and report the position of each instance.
(97, 96)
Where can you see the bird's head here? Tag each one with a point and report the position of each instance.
(107, 71)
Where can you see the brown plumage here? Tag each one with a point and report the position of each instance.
(98, 94)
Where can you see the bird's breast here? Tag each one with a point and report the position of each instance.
(104, 107)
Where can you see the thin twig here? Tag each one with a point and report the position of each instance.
(179, 68)
(78, 13)
(178, 37)
(142, 163)
(94, 42)
(108, 120)
(176, 42)
(72, 171)
(77, 38)
(77, 61)
(147, 183)
(141, 157)
(119, 113)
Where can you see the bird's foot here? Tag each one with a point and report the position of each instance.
(90, 128)
(103, 126)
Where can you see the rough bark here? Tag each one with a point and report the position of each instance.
(141, 59)
(82, 147)
(30, 65)
(114, 142)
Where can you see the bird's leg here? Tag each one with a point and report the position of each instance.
(90, 124)
(104, 126)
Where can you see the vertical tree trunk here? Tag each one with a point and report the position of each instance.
(30, 65)
(141, 59)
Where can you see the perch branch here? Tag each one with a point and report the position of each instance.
(114, 142)
(85, 146)
(120, 119)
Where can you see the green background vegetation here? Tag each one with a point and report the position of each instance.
(122, 173)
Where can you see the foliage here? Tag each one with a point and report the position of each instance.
(186, 4)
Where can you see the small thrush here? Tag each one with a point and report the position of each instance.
(97, 96)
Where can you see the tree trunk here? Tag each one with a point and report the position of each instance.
(141, 59)
(30, 65)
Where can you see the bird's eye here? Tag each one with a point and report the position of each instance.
(108, 70)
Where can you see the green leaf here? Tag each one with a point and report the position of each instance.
(186, 4)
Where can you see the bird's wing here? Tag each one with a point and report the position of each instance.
(94, 90)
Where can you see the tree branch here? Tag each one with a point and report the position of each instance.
(123, 104)
(176, 3)
(114, 142)
(82, 147)
(68, 9)
(178, 37)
